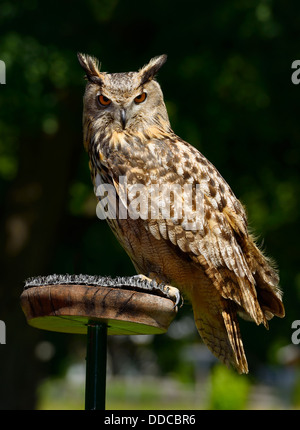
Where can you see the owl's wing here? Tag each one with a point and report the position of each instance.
(211, 227)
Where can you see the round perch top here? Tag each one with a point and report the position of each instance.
(127, 307)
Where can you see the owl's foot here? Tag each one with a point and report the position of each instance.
(171, 292)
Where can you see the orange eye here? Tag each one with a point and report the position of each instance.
(104, 101)
(141, 98)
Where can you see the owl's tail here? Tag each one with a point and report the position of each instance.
(266, 278)
(220, 331)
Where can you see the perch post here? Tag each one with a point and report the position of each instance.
(96, 366)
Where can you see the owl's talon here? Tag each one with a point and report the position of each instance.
(173, 293)
(178, 300)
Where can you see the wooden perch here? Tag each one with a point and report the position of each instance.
(69, 309)
(97, 306)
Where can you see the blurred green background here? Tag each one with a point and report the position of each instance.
(228, 89)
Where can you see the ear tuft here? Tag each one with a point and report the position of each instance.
(91, 67)
(148, 72)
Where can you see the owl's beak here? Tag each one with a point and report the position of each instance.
(123, 118)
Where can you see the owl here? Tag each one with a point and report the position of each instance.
(174, 214)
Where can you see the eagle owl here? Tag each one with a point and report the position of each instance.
(205, 250)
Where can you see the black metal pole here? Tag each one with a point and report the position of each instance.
(96, 356)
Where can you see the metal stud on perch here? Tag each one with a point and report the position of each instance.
(97, 306)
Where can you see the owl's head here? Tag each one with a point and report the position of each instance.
(123, 101)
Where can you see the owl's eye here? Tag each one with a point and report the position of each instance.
(104, 101)
(141, 98)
